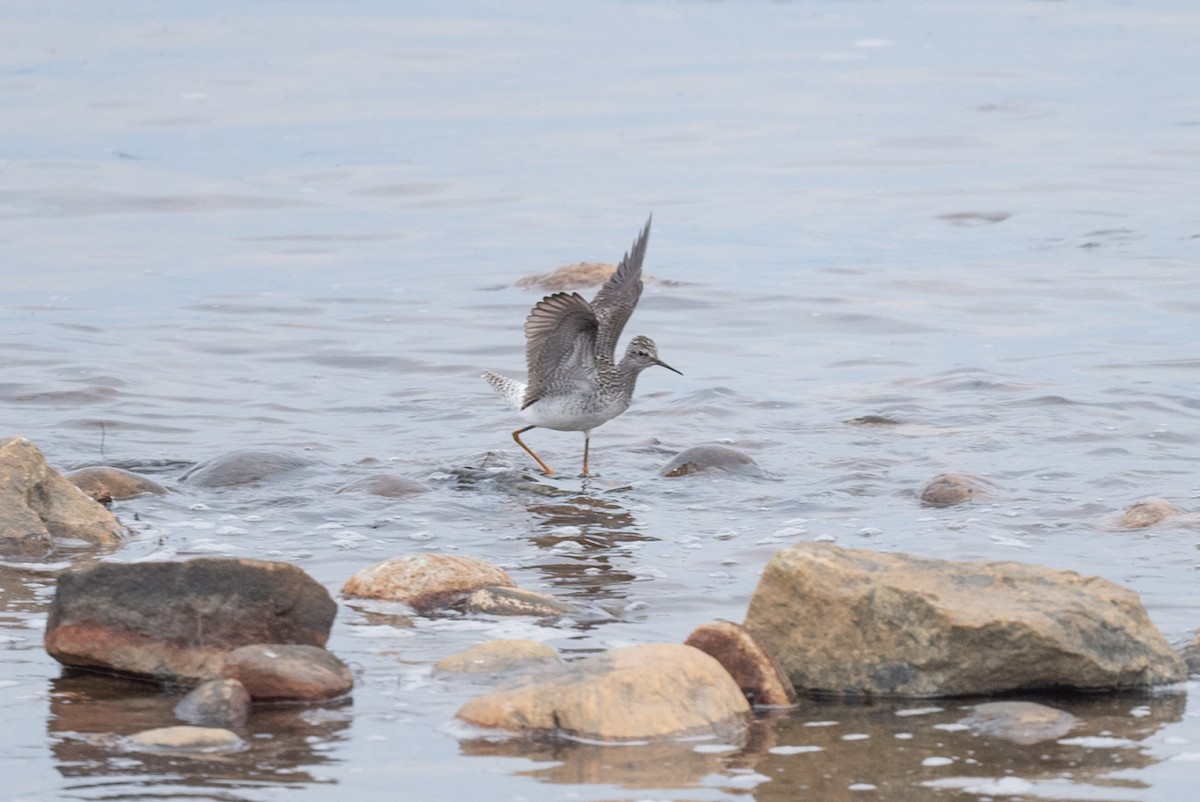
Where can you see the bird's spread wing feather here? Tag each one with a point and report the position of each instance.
(560, 341)
(617, 298)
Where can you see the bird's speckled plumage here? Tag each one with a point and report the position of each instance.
(574, 383)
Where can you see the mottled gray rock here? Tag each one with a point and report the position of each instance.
(701, 459)
(175, 621)
(245, 467)
(38, 506)
(1020, 722)
(277, 672)
(634, 693)
(857, 622)
(425, 581)
(496, 600)
(752, 668)
(216, 703)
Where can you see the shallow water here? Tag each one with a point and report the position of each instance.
(296, 227)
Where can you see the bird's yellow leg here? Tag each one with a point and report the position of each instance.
(529, 451)
(586, 439)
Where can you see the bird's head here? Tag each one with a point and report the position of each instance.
(642, 353)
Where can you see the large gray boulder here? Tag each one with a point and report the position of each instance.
(856, 622)
(38, 506)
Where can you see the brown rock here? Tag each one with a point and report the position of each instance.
(1020, 722)
(185, 739)
(751, 667)
(1147, 513)
(387, 486)
(495, 600)
(278, 672)
(700, 459)
(570, 277)
(508, 656)
(38, 506)
(105, 483)
(216, 703)
(848, 621)
(650, 691)
(244, 467)
(949, 489)
(426, 581)
(175, 621)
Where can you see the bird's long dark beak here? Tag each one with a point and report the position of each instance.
(660, 363)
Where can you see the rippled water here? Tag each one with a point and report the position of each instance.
(296, 227)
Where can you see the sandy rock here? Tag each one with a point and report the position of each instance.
(175, 621)
(426, 581)
(244, 467)
(496, 600)
(386, 485)
(649, 691)
(185, 738)
(105, 483)
(508, 656)
(1020, 722)
(700, 459)
(949, 489)
(570, 277)
(277, 672)
(216, 703)
(751, 667)
(38, 505)
(1147, 513)
(856, 622)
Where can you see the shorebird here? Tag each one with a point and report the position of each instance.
(574, 383)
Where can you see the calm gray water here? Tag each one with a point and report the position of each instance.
(295, 226)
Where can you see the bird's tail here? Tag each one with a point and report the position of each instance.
(513, 392)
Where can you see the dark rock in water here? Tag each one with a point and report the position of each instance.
(507, 656)
(499, 600)
(949, 489)
(873, 420)
(656, 690)
(856, 622)
(1148, 513)
(38, 506)
(176, 621)
(184, 738)
(752, 668)
(278, 672)
(425, 581)
(105, 483)
(1020, 722)
(216, 703)
(388, 486)
(244, 467)
(699, 459)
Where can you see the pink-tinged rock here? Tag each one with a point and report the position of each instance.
(175, 621)
(276, 672)
(425, 581)
(38, 506)
(752, 668)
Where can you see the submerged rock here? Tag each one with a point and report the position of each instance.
(244, 467)
(38, 506)
(1147, 513)
(184, 738)
(700, 459)
(507, 656)
(856, 622)
(175, 621)
(570, 277)
(496, 600)
(649, 691)
(280, 672)
(105, 483)
(216, 703)
(949, 489)
(1191, 655)
(752, 668)
(1020, 722)
(425, 581)
(386, 485)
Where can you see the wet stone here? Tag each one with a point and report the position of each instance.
(498, 600)
(949, 489)
(506, 656)
(387, 486)
(701, 459)
(216, 703)
(245, 467)
(425, 581)
(752, 668)
(184, 738)
(1020, 722)
(1148, 513)
(277, 672)
(105, 483)
(570, 277)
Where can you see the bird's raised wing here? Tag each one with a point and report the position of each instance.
(560, 343)
(617, 298)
